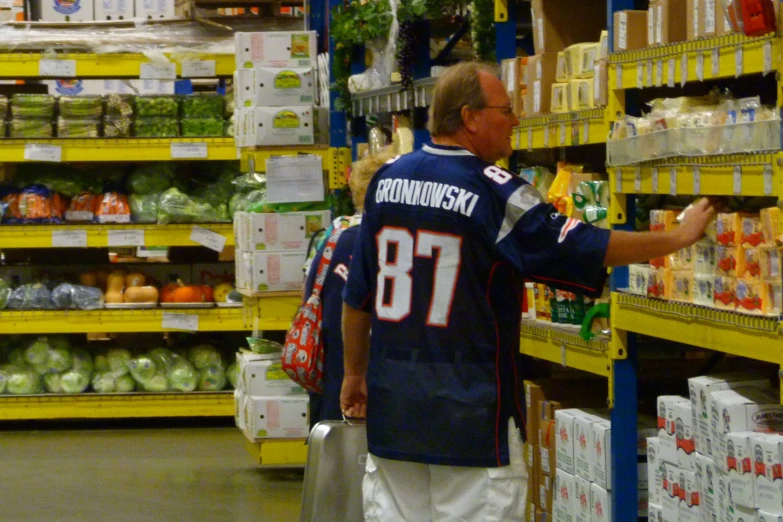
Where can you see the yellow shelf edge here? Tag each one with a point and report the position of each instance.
(570, 129)
(561, 346)
(732, 333)
(116, 406)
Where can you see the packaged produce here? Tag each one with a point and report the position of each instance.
(202, 127)
(177, 207)
(78, 128)
(33, 296)
(119, 106)
(67, 296)
(33, 106)
(151, 178)
(203, 106)
(82, 207)
(144, 208)
(81, 107)
(228, 105)
(3, 107)
(113, 207)
(159, 127)
(34, 204)
(22, 380)
(157, 106)
(117, 127)
(32, 128)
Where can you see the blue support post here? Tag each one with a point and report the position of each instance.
(506, 34)
(421, 69)
(624, 436)
(337, 121)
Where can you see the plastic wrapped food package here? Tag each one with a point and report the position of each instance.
(34, 204)
(202, 127)
(157, 106)
(81, 107)
(33, 128)
(203, 106)
(78, 128)
(33, 296)
(144, 208)
(32, 106)
(177, 207)
(82, 207)
(3, 107)
(113, 208)
(119, 106)
(67, 296)
(156, 128)
(117, 127)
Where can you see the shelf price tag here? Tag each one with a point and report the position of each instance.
(562, 134)
(737, 180)
(767, 57)
(189, 150)
(122, 238)
(738, 65)
(41, 152)
(198, 69)
(639, 75)
(684, 70)
(207, 238)
(670, 79)
(637, 180)
(655, 180)
(696, 180)
(57, 68)
(69, 239)
(180, 321)
(618, 180)
(158, 71)
(673, 181)
(715, 63)
(700, 66)
(767, 180)
(586, 131)
(649, 81)
(530, 139)
(659, 73)
(546, 135)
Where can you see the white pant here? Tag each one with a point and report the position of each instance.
(396, 491)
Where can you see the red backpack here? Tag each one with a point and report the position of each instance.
(303, 355)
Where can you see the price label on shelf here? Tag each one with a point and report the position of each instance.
(684, 69)
(670, 78)
(41, 152)
(649, 67)
(189, 150)
(586, 131)
(207, 238)
(715, 60)
(69, 238)
(637, 180)
(562, 134)
(738, 61)
(673, 181)
(546, 135)
(737, 180)
(700, 66)
(639, 75)
(198, 69)
(696, 180)
(655, 180)
(174, 321)
(121, 238)
(659, 73)
(158, 71)
(57, 68)
(530, 139)
(618, 180)
(619, 76)
(767, 180)
(767, 57)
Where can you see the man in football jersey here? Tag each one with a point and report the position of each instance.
(437, 270)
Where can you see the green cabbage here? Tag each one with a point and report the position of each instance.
(212, 378)
(52, 383)
(118, 361)
(183, 376)
(24, 381)
(151, 178)
(158, 383)
(144, 208)
(232, 373)
(82, 360)
(142, 369)
(16, 357)
(205, 355)
(3, 380)
(104, 383)
(60, 359)
(74, 381)
(38, 351)
(125, 383)
(101, 363)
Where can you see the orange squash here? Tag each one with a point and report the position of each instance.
(167, 293)
(115, 281)
(89, 279)
(188, 294)
(135, 279)
(141, 294)
(208, 293)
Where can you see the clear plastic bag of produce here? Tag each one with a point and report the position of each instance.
(3, 107)
(22, 380)
(34, 204)
(144, 208)
(117, 127)
(212, 378)
(31, 128)
(33, 106)
(203, 106)
(113, 207)
(151, 178)
(78, 128)
(177, 207)
(81, 208)
(33, 296)
(204, 356)
(67, 296)
(157, 127)
(202, 127)
(81, 107)
(119, 106)
(5, 293)
(157, 106)
(241, 201)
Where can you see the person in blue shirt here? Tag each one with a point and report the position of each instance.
(326, 406)
(436, 274)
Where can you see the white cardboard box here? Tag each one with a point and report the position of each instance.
(275, 49)
(114, 9)
(244, 93)
(744, 409)
(666, 426)
(683, 436)
(565, 501)
(688, 487)
(739, 466)
(655, 470)
(600, 504)
(277, 271)
(278, 87)
(583, 444)
(768, 469)
(643, 502)
(655, 513)
(243, 266)
(670, 499)
(583, 504)
(700, 389)
(158, 9)
(67, 10)
(602, 454)
(764, 516)
(706, 475)
(564, 445)
(277, 232)
(277, 417)
(239, 405)
(264, 377)
(280, 126)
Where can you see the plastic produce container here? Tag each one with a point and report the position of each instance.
(117, 127)
(203, 106)
(78, 128)
(157, 106)
(156, 128)
(3, 108)
(31, 128)
(33, 106)
(81, 107)
(202, 127)
(119, 106)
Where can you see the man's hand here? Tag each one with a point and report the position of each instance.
(695, 221)
(353, 397)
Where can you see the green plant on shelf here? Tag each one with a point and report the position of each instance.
(482, 29)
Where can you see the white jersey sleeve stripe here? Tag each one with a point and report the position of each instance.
(522, 200)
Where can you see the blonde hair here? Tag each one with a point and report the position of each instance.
(456, 88)
(362, 172)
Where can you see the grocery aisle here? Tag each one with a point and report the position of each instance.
(147, 475)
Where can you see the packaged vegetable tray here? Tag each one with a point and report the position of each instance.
(78, 128)
(156, 128)
(202, 127)
(157, 106)
(113, 207)
(81, 107)
(32, 106)
(119, 106)
(31, 128)
(203, 105)
(117, 127)
(34, 204)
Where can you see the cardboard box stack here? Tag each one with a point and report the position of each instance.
(514, 76)
(267, 403)
(274, 88)
(86, 10)
(717, 455)
(737, 266)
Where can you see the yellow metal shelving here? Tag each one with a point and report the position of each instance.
(563, 345)
(725, 56)
(117, 405)
(335, 159)
(569, 129)
(109, 65)
(279, 453)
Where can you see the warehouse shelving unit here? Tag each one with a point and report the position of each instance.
(568, 129)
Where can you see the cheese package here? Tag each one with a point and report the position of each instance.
(656, 283)
(749, 263)
(750, 227)
(663, 220)
(600, 84)
(725, 293)
(704, 290)
(581, 94)
(750, 298)
(563, 74)
(581, 59)
(705, 256)
(728, 259)
(559, 97)
(651, 12)
(769, 263)
(770, 225)
(768, 470)
(728, 229)
(774, 294)
(683, 259)
(684, 436)
(638, 279)
(739, 466)
(680, 286)
(603, 45)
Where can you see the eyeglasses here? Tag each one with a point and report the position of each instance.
(505, 109)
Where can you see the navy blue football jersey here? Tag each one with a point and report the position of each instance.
(444, 244)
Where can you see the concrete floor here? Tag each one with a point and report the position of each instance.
(145, 475)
